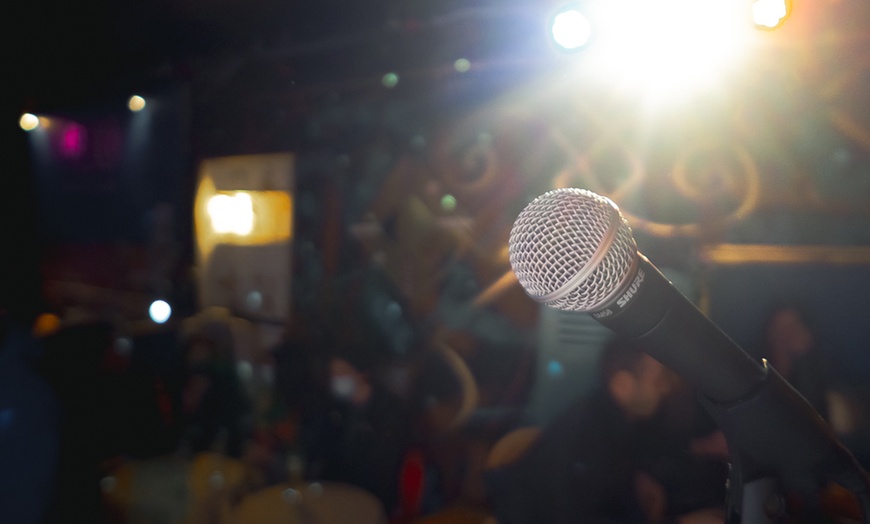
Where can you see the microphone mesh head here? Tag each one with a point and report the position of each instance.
(571, 249)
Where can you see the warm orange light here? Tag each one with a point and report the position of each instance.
(240, 216)
(136, 103)
(46, 324)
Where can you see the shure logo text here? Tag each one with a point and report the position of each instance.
(632, 290)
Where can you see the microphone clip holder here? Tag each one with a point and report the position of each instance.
(777, 442)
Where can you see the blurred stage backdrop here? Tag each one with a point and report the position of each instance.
(384, 150)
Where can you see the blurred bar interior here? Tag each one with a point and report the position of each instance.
(207, 203)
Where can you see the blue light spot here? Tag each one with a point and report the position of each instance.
(554, 368)
(7, 417)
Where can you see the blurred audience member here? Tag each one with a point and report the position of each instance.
(444, 397)
(276, 451)
(29, 428)
(598, 461)
(361, 433)
(214, 411)
(686, 453)
(791, 347)
(75, 366)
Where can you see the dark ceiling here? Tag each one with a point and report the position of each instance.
(69, 52)
(65, 53)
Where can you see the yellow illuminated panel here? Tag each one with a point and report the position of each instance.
(240, 217)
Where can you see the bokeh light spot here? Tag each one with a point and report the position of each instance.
(72, 141)
(28, 121)
(136, 103)
(554, 368)
(462, 65)
(390, 80)
(160, 311)
(448, 202)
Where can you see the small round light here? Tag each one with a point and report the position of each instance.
(160, 311)
(462, 65)
(448, 203)
(136, 103)
(555, 369)
(46, 324)
(28, 121)
(254, 300)
(390, 80)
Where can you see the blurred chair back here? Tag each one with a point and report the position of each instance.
(458, 515)
(174, 490)
(315, 503)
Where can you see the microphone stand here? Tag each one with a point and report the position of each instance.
(777, 441)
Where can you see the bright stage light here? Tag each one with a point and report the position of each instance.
(670, 47)
(231, 214)
(769, 13)
(28, 121)
(136, 103)
(571, 29)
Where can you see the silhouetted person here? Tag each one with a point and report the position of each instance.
(75, 356)
(361, 433)
(29, 428)
(791, 347)
(593, 462)
(213, 409)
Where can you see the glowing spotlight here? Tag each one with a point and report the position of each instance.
(571, 29)
(231, 213)
(769, 13)
(160, 311)
(136, 103)
(28, 121)
(670, 47)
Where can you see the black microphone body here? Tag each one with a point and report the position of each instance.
(772, 428)
(572, 249)
(675, 332)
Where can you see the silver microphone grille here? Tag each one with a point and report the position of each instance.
(572, 249)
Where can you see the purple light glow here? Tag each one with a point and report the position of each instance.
(72, 141)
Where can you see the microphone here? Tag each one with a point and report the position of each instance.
(573, 250)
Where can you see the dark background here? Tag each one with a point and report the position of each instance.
(233, 77)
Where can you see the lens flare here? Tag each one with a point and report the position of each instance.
(571, 29)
